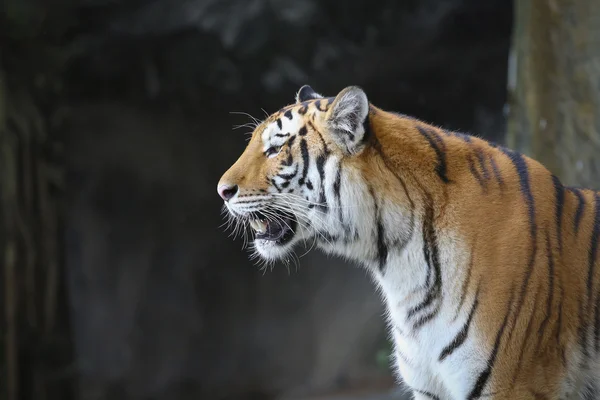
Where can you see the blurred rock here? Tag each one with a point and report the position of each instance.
(164, 305)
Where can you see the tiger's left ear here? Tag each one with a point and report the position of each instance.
(307, 93)
(346, 119)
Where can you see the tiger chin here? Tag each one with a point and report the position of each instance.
(487, 263)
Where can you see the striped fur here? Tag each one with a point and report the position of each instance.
(488, 264)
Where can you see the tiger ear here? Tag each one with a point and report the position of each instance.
(347, 119)
(307, 93)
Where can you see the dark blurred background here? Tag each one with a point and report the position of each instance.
(115, 125)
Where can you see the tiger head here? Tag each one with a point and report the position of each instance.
(288, 184)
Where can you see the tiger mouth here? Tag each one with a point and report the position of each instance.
(279, 228)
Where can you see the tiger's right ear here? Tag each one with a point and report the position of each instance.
(347, 119)
(307, 93)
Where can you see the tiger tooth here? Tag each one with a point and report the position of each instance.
(262, 227)
(259, 226)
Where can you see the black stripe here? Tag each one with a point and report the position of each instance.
(559, 325)
(430, 245)
(289, 176)
(438, 145)
(544, 323)
(321, 169)
(522, 170)
(305, 160)
(465, 285)
(276, 186)
(582, 331)
(560, 312)
(580, 207)
(496, 172)
(325, 147)
(288, 114)
(429, 280)
(475, 173)
(425, 319)
(524, 285)
(560, 203)
(338, 183)
(321, 166)
(338, 200)
(288, 161)
(367, 130)
(279, 125)
(282, 135)
(463, 333)
(291, 141)
(302, 131)
(526, 336)
(497, 146)
(485, 374)
(481, 158)
(421, 306)
(382, 249)
(458, 135)
(431, 255)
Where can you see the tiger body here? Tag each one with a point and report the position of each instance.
(488, 265)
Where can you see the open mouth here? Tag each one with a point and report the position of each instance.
(279, 229)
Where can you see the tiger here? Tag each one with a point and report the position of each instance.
(487, 264)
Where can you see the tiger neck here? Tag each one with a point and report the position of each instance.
(421, 278)
(417, 281)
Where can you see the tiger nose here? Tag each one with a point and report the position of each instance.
(227, 191)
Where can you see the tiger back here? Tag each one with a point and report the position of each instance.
(487, 263)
